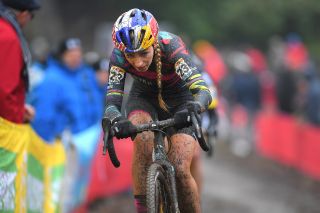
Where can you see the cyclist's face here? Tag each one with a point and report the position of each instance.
(141, 60)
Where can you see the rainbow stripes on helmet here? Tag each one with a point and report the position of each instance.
(135, 30)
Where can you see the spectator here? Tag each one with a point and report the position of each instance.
(79, 106)
(15, 58)
(266, 77)
(245, 96)
(286, 91)
(69, 99)
(313, 95)
(101, 69)
(296, 55)
(245, 86)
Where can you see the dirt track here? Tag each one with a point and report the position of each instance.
(256, 185)
(245, 185)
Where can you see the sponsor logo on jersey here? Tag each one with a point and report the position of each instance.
(183, 69)
(116, 75)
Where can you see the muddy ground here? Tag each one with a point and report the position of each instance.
(249, 184)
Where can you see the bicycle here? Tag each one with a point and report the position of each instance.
(161, 192)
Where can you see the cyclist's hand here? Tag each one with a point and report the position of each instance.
(182, 117)
(193, 106)
(124, 129)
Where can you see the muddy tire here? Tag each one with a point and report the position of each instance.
(159, 196)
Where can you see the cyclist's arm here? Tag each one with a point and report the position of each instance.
(115, 88)
(211, 87)
(191, 74)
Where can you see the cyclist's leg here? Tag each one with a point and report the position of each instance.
(182, 150)
(181, 153)
(142, 152)
(196, 168)
(139, 111)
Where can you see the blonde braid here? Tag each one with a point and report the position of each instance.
(157, 51)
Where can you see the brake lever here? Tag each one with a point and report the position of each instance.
(196, 124)
(105, 142)
(203, 144)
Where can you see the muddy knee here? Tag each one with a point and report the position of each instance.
(182, 174)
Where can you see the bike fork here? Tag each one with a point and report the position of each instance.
(172, 178)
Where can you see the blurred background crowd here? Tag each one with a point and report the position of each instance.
(263, 56)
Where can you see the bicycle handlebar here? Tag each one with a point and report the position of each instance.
(152, 126)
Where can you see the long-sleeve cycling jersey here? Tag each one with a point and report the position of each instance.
(178, 73)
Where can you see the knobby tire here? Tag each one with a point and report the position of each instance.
(159, 196)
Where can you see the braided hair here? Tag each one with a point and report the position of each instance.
(157, 51)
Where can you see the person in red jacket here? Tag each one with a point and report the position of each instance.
(14, 59)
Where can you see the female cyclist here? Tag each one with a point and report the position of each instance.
(165, 82)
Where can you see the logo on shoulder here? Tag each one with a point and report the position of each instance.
(183, 69)
(165, 37)
(116, 75)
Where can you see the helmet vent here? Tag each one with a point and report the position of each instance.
(141, 36)
(144, 16)
(123, 39)
(133, 13)
(132, 38)
(120, 20)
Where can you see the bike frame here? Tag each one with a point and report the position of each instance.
(160, 157)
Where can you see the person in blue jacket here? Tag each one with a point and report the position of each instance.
(69, 100)
(69, 96)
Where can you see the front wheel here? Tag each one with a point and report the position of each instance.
(159, 196)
